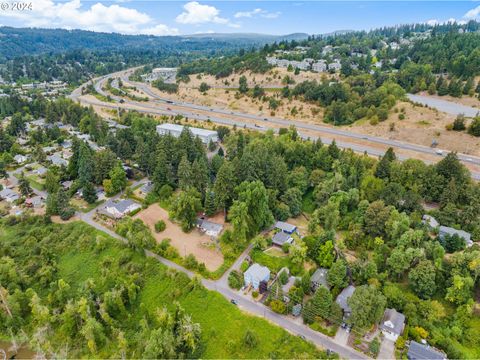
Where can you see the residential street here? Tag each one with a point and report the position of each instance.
(244, 303)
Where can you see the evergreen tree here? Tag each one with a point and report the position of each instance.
(89, 193)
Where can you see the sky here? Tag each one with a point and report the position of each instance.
(156, 17)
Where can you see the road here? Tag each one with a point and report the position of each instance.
(372, 145)
(448, 107)
(222, 287)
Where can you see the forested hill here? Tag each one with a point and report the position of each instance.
(15, 42)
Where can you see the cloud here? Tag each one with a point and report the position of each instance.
(432, 22)
(196, 13)
(257, 12)
(472, 14)
(98, 17)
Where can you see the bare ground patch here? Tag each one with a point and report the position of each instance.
(194, 242)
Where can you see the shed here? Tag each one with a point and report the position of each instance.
(255, 274)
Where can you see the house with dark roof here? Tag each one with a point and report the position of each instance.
(392, 324)
(285, 227)
(417, 351)
(342, 300)
(319, 278)
(9, 195)
(281, 238)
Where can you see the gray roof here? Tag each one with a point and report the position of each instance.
(281, 238)
(8, 193)
(285, 226)
(444, 230)
(257, 271)
(396, 319)
(146, 188)
(417, 351)
(120, 205)
(320, 277)
(209, 225)
(430, 221)
(57, 160)
(342, 298)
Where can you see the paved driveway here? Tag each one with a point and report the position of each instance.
(341, 337)
(387, 350)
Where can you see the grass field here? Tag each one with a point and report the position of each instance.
(223, 325)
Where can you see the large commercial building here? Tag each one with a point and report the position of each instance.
(175, 130)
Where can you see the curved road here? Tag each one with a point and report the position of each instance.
(167, 107)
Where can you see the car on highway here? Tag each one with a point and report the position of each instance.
(265, 119)
(169, 109)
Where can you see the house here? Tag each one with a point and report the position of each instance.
(9, 195)
(319, 278)
(208, 227)
(40, 171)
(281, 238)
(20, 159)
(342, 300)
(430, 221)
(319, 66)
(445, 230)
(417, 351)
(119, 208)
(175, 130)
(285, 227)
(146, 188)
(67, 184)
(55, 159)
(392, 324)
(256, 274)
(35, 202)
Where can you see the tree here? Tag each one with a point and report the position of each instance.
(86, 164)
(376, 217)
(204, 87)
(461, 289)
(242, 84)
(326, 254)
(210, 207)
(224, 186)
(293, 199)
(367, 304)
(52, 180)
(383, 166)
(422, 279)
(474, 128)
(459, 123)
(297, 253)
(337, 275)
(118, 178)
(89, 193)
(24, 186)
(185, 207)
(184, 173)
(240, 219)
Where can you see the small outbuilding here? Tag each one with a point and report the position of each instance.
(256, 274)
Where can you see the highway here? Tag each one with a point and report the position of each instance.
(372, 145)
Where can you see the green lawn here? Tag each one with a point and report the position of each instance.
(223, 325)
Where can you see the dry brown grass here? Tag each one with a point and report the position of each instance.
(194, 242)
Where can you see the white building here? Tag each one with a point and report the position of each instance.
(20, 159)
(256, 274)
(319, 66)
(392, 324)
(168, 75)
(175, 130)
(335, 65)
(119, 208)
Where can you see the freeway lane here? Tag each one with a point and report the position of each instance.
(348, 139)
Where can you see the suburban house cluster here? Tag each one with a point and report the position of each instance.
(168, 75)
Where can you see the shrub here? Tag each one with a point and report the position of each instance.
(255, 294)
(250, 339)
(190, 262)
(374, 346)
(401, 116)
(235, 280)
(165, 192)
(278, 306)
(244, 266)
(160, 226)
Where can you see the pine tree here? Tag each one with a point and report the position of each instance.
(89, 193)
(210, 207)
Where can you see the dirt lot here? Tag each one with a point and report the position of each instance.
(195, 243)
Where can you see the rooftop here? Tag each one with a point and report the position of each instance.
(281, 238)
(417, 351)
(284, 226)
(393, 321)
(179, 128)
(258, 272)
(342, 298)
(320, 277)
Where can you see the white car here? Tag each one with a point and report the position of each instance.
(439, 152)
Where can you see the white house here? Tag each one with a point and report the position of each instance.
(20, 159)
(392, 324)
(119, 208)
(175, 130)
(256, 274)
(210, 228)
